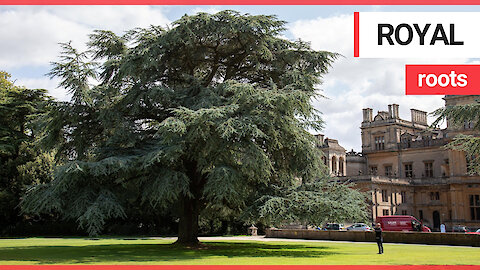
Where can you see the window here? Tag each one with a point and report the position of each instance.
(386, 212)
(445, 168)
(373, 170)
(475, 207)
(420, 214)
(340, 166)
(388, 170)
(468, 125)
(471, 166)
(379, 143)
(404, 212)
(334, 165)
(384, 195)
(435, 196)
(408, 170)
(403, 194)
(428, 169)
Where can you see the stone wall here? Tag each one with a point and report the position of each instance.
(458, 239)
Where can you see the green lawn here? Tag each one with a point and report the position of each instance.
(149, 251)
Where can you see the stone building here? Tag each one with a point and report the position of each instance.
(334, 156)
(408, 171)
(356, 164)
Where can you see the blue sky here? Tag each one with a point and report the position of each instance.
(29, 39)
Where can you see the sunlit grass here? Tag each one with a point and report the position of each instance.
(153, 251)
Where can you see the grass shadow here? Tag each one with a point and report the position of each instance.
(167, 253)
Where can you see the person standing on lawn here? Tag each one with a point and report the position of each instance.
(379, 238)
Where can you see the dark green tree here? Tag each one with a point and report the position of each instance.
(208, 116)
(458, 116)
(21, 162)
(311, 203)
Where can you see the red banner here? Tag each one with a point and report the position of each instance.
(442, 79)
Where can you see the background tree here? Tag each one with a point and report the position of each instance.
(311, 203)
(199, 117)
(458, 116)
(21, 163)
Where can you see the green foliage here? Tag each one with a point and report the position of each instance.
(458, 116)
(21, 162)
(313, 203)
(470, 145)
(40, 166)
(196, 118)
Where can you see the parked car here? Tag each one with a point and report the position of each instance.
(401, 223)
(475, 232)
(459, 228)
(333, 227)
(359, 227)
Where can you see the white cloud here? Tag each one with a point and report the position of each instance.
(30, 38)
(45, 83)
(356, 83)
(29, 35)
(333, 34)
(206, 9)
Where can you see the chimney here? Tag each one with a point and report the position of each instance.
(320, 139)
(395, 114)
(419, 117)
(393, 111)
(367, 115)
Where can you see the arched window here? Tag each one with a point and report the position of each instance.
(334, 165)
(340, 166)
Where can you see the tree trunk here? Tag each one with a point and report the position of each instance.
(188, 225)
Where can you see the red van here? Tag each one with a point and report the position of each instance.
(401, 223)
